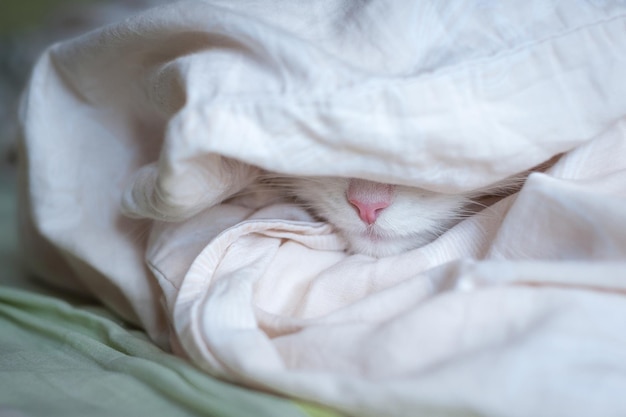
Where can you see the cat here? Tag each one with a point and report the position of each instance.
(381, 220)
(378, 219)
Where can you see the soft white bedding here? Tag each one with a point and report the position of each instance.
(136, 133)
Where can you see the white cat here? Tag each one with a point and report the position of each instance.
(384, 219)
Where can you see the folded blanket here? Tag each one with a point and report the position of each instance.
(135, 135)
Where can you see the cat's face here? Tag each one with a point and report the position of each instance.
(378, 219)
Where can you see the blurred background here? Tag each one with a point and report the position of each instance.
(19, 14)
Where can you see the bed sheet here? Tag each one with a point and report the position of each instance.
(136, 133)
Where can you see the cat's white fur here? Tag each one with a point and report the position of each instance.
(414, 218)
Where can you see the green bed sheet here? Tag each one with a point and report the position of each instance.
(66, 357)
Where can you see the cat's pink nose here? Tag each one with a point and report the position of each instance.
(369, 212)
(369, 198)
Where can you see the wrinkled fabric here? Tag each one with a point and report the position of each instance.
(136, 135)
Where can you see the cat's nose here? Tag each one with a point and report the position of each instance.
(368, 211)
(369, 198)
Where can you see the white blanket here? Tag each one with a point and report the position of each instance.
(136, 133)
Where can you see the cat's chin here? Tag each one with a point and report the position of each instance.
(380, 246)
